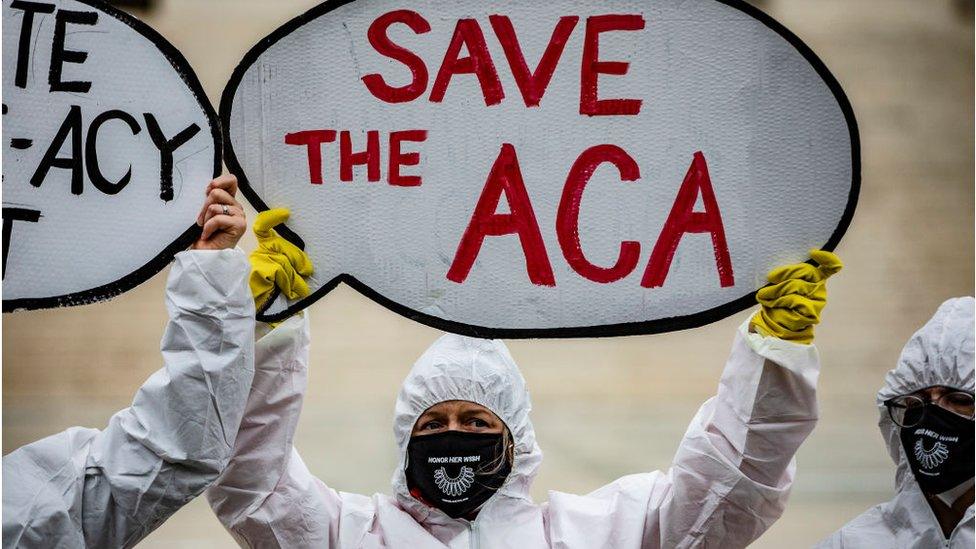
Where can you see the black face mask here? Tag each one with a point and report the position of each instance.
(455, 471)
(939, 449)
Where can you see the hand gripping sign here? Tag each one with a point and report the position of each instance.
(545, 169)
(109, 143)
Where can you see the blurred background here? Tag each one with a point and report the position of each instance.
(610, 407)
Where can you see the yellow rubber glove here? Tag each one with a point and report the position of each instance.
(277, 262)
(792, 303)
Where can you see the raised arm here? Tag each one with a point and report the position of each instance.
(734, 469)
(266, 497)
(111, 488)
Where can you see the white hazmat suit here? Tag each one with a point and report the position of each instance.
(941, 353)
(729, 481)
(111, 488)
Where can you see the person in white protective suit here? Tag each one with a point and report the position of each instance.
(926, 408)
(111, 488)
(469, 453)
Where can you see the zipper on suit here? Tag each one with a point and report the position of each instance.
(473, 535)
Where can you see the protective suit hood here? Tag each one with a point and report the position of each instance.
(477, 370)
(940, 353)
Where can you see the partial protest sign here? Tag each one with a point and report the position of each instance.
(544, 169)
(109, 144)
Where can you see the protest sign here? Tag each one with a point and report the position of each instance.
(544, 169)
(109, 144)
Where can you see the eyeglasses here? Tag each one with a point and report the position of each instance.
(908, 410)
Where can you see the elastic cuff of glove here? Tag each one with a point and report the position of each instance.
(768, 328)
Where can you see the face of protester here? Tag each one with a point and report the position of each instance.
(457, 415)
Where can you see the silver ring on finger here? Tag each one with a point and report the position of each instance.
(226, 209)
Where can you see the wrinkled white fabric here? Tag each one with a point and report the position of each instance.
(111, 488)
(940, 353)
(729, 481)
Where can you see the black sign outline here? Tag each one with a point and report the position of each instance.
(661, 325)
(113, 289)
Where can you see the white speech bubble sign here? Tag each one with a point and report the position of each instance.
(109, 144)
(544, 169)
